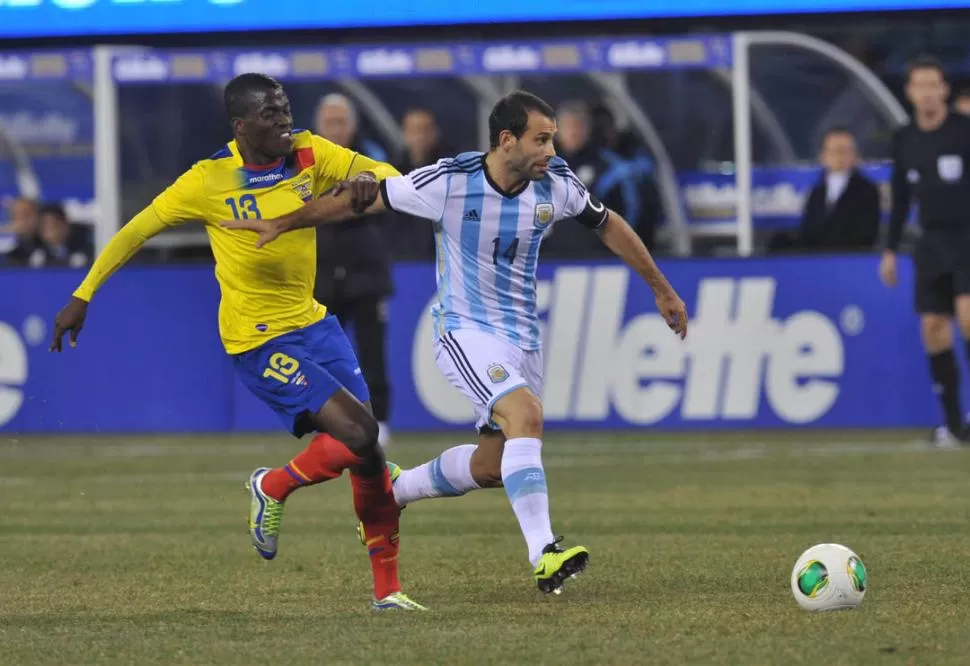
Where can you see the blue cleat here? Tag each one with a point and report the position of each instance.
(396, 601)
(265, 515)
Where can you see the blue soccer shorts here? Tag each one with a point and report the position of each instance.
(296, 373)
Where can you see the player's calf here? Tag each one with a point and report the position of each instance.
(349, 420)
(486, 462)
(519, 413)
(455, 472)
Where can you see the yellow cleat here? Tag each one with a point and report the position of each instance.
(556, 565)
(396, 601)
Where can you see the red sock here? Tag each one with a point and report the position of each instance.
(377, 510)
(324, 459)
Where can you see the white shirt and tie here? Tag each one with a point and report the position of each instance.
(835, 184)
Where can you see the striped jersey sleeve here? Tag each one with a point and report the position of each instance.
(421, 193)
(575, 200)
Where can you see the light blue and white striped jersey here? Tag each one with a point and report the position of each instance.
(487, 242)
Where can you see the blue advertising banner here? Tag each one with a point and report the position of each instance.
(47, 128)
(794, 342)
(33, 18)
(402, 60)
(778, 194)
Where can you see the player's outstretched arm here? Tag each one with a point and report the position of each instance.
(624, 242)
(118, 251)
(347, 200)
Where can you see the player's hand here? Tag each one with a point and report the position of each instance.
(70, 320)
(887, 269)
(267, 230)
(674, 311)
(363, 188)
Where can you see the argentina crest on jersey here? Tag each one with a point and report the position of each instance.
(544, 215)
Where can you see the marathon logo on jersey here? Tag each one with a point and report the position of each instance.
(544, 215)
(497, 373)
(265, 178)
(256, 179)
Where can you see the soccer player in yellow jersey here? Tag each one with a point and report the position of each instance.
(489, 213)
(284, 345)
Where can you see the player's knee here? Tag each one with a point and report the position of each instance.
(360, 435)
(525, 417)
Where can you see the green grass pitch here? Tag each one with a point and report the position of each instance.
(134, 550)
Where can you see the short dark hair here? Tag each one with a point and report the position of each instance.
(418, 109)
(55, 209)
(239, 92)
(924, 61)
(836, 129)
(512, 113)
(964, 92)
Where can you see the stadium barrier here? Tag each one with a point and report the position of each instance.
(799, 342)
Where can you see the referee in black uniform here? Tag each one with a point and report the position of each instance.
(931, 157)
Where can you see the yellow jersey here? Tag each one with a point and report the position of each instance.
(266, 292)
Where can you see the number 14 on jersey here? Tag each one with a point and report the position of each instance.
(508, 254)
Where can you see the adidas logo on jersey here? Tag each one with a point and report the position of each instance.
(471, 216)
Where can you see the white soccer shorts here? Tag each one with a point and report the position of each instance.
(485, 367)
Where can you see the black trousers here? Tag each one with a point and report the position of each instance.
(366, 318)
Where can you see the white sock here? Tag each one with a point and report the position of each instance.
(525, 484)
(448, 475)
(383, 435)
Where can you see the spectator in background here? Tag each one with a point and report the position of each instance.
(354, 266)
(25, 224)
(574, 144)
(412, 237)
(842, 211)
(624, 145)
(62, 243)
(621, 182)
(419, 128)
(961, 103)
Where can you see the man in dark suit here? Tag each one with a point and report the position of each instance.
(411, 237)
(25, 224)
(62, 243)
(354, 265)
(842, 212)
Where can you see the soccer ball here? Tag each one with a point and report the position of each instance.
(829, 577)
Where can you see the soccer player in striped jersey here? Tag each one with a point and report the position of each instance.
(489, 212)
(286, 348)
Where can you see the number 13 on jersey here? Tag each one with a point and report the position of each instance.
(246, 207)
